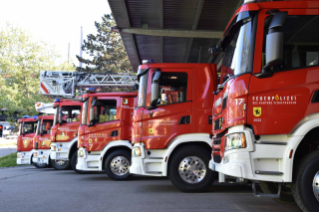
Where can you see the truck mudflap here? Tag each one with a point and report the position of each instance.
(24, 157)
(261, 160)
(89, 162)
(41, 156)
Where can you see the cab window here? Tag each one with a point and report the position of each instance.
(301, 42)
(46, 126)
(71, 114)
(172, 88)
(29, 127)
(104, 111)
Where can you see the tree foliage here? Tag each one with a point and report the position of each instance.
(106, 50)
(21, 60)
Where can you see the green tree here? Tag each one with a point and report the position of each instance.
(21, 60)
(106, 50)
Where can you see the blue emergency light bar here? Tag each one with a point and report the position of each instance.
(57, 100)
(90, 90)
(148, 61)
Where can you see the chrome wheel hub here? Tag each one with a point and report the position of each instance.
(120, 165)
(60, 162)
(192, 169)
(315, 185)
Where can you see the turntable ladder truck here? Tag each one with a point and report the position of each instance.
(266, 113)
(65, 137)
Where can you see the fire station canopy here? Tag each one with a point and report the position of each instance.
(171, 31)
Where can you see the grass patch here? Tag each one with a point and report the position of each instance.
(8, 160)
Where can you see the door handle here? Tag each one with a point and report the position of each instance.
(151, 114)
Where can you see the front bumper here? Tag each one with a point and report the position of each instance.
(25, 157)
(60, 150)
(43, 156)
(89, 162)
(258, 161)
(149, 166)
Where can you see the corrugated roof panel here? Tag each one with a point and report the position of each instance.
(174, 49)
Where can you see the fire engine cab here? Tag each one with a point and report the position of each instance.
(105, 133)
(172, 123)
(64, 133)
(265, 113)
(27, 129)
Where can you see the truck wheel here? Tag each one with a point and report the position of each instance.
(272, 188)
(188, 169)
(60, 164)
(74, 161)
(305, 185)
(117, 165)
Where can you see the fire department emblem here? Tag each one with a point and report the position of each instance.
(125, 101)
(90, 141)
(42, 143)
(257, 111)
(150, 131)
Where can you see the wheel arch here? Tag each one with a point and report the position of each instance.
(198, 139)
(113, 146)
(74, 147)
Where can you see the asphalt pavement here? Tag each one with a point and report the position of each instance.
(29, 189)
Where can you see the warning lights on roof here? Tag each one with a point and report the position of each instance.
(148, 61)
(90, 90)
(25, 117)
(38, 104)
(35, 117)
(57, 100)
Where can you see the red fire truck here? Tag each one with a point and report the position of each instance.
(266, 114)
(173, 122)
(27, 129)
(105, 133)
(42, 142)
(64, 133)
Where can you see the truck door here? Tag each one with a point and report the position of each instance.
(45, 142)
(170, 116)
(70, 124)
(279, 99)
(106, 124)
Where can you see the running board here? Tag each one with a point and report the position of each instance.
(93, 167)
(268, 172)
(256, 194)
(153, 172)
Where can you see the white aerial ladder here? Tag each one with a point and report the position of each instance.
(44, 108)
(66, 84)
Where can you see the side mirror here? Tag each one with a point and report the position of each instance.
(155, 88)
(214, 50)
(275, 41)
(22, 130)
(91, 116)
(60, 118)
(41, 131)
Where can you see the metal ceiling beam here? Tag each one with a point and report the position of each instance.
(161, 16)
(173, 33)
(129, 25)
(194, 27)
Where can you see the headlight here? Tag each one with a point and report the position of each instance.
(19, 155)
(35, 154)
(53, 148)
(136, 151)
(80, 153)
(235, 141)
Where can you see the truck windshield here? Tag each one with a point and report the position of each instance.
(237, 48)
(20, 128)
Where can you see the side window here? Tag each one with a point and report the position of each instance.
(301, 42)
(172, 88)
(104, 111)
(46, 126)
(71, 113)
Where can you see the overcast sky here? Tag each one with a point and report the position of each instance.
(57, 22)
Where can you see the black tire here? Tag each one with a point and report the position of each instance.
(302, 186)
(55, 164)
(272, 188)
(107, 166)
(38, 166)
(74, 161)
(178, 157)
